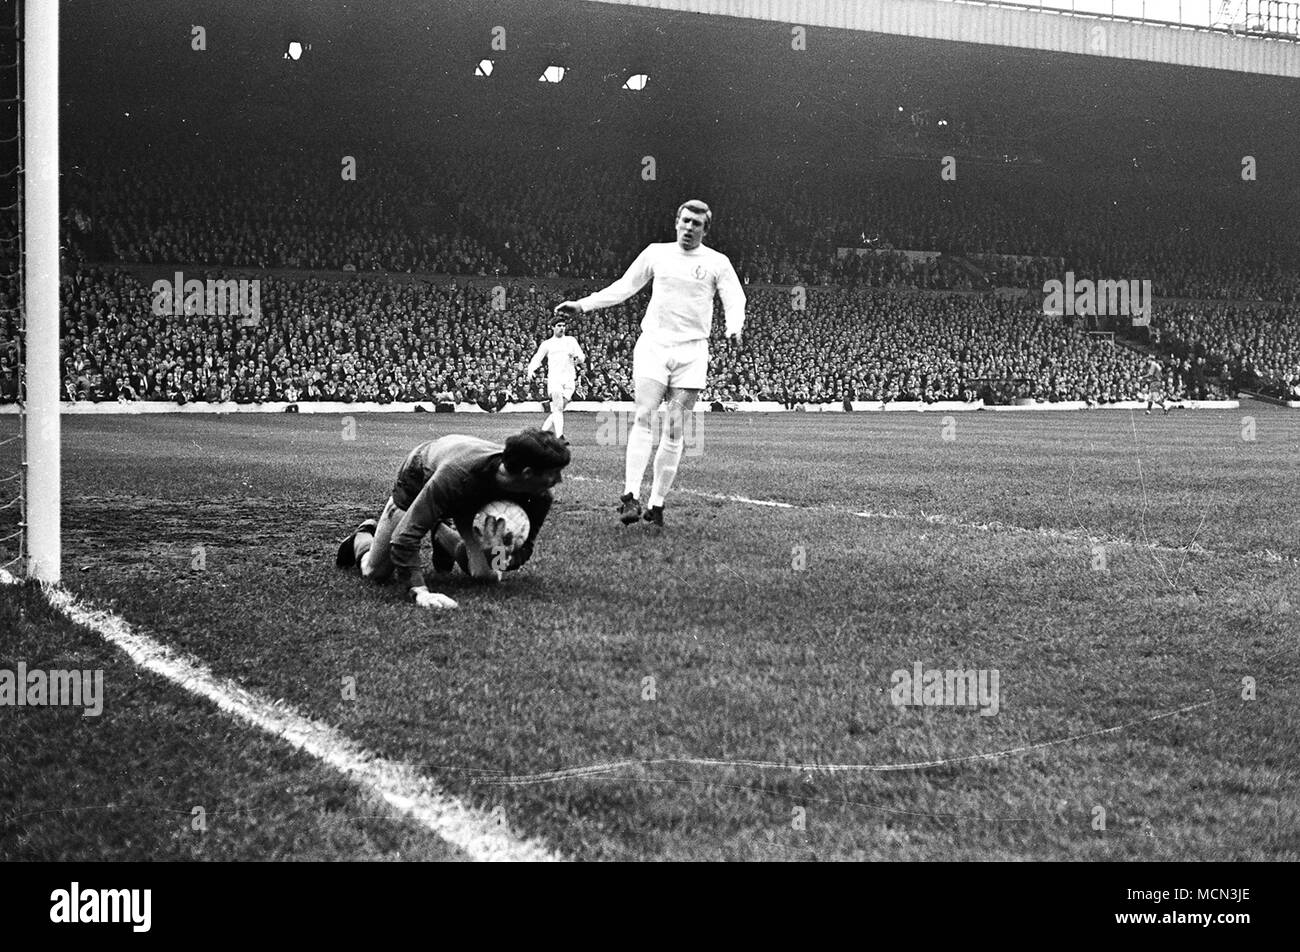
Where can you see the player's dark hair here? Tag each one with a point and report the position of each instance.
(535, 448)
(700, 208)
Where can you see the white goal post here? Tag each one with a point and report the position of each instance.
(39, 125)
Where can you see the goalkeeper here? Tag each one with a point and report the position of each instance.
(441, 486)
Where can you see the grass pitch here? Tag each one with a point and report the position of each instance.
(722, 690)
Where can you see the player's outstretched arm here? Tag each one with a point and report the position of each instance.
(422, 518)
(636, 277)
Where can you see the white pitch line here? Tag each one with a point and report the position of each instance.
(592, 770)
(475, 831)
(953, 522)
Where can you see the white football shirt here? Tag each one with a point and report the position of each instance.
(681, 298)
(561, 355)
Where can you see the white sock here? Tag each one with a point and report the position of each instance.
(666, 460)
(549, 423)
(558, 417)
(638, 454)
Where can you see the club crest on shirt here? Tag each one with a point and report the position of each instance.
(700, 273)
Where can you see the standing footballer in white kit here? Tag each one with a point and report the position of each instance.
(562, 355)
(671, 357)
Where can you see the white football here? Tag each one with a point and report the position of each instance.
(516, 522)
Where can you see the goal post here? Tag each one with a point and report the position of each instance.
(39, 195)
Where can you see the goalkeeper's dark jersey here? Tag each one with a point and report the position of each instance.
(449, 480)
(420, 464)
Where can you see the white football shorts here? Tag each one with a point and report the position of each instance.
(684, 365)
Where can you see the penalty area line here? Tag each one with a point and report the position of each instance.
(481, 835)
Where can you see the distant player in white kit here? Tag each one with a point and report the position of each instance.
(562, 355)
(671, 357)
(1153, 381)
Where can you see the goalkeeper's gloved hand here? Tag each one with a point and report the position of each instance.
(428, 599)
(494, 532)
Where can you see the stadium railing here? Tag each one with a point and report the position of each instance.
(1276, 19)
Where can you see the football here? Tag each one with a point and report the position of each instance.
(516, 523)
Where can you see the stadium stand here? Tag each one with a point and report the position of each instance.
(500, 211)
(1257, 348)
(871, 244)
(376, 339)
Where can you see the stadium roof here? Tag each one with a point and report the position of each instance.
(388, 67)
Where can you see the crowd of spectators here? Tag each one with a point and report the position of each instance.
(361, 340)
(263, 212)
(876, 325)
(1257, 347)
(388, 340)
(873, 345)
(9, 324)
(477, 210)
